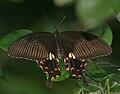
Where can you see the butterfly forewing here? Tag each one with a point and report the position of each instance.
(34, 46)
(84, 45)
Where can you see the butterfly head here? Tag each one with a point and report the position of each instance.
(55, 31)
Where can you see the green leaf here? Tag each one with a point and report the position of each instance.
(105, 86)
(116, 5)
(64, 73)
(95, 71)
(93, 12)
(115, 87)
(11, 37)
(104, 32)
(110, 84)
(80, 87)
(116, 77)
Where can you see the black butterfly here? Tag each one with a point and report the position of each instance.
(75, 47)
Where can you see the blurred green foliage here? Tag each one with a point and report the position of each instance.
(94, 16)
(7, 40)
(94, 12)
(104, 32)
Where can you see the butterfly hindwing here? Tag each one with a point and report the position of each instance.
(80, 46)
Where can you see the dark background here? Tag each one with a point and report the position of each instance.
(24, 77)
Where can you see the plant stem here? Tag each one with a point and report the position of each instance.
(108, 86)
(82, 91)
(101, 89)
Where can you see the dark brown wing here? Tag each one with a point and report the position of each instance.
(35, 46)
(83, 45)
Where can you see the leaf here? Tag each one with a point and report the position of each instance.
(104, 86)
(116, 5)
(9, 38)
(109, 84)
(104, 32)
(93, 12)
(116, 87)
(95, 71)
(64, 73)
(80, 87)
(116, 77)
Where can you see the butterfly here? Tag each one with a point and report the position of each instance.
(75, 47)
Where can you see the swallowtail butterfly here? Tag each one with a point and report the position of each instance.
(75, 47)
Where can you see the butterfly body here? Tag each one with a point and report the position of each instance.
(75, 47)
(58, 43)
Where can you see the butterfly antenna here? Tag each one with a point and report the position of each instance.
(61, 21)
(46, 17)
